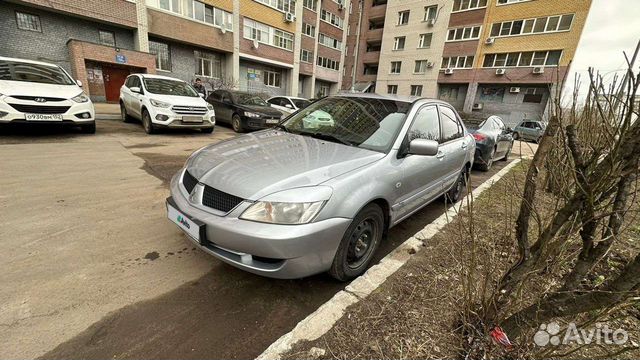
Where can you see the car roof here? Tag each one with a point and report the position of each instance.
(400, 98)
(153, 76)
(3, 58)
(288, 97)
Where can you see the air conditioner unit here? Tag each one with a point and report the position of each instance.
(500, 71)
(490, 41)
(256, 43)
(477, 106)
(514, 90)
(448, 71)
(538, 70)
(429, 64)
(431, 22)
(289, 17)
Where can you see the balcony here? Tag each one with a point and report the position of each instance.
(373, 35)
(371, 57)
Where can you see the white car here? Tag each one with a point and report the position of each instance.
(39, 92)
(288, 104)
(161, 101)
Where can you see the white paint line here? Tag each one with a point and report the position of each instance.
(322, 320)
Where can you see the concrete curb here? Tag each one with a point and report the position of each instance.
(322, 320)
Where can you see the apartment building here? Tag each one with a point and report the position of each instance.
(252, 45)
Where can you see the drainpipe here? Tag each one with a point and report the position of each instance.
(357, 49)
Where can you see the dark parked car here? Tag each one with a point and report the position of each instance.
(529, 130)
(493, 142)
(243, 110)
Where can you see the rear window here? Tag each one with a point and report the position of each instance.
(27, 72)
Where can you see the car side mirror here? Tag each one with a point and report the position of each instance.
(227, 101)
(423, 147)
(79, 83)
(135, 89)
(201, 95)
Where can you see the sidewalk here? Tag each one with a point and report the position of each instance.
(106, 111)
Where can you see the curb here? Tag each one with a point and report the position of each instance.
(324, 318)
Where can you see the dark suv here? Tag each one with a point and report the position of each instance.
(243, 110)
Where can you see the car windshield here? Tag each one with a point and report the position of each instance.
(249, 99)
(169, 87)
(21, 71)
(363, 122)
(301, 103)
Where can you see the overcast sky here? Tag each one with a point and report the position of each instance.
(613, 26)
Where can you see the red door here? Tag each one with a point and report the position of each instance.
(113, 79)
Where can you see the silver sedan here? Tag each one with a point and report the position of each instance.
(294, 201)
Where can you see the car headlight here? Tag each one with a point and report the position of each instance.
(210, 107)
(82, 98)
(284, 213)
(160, 104)
(251, 114)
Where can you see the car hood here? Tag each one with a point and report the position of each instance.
(26, 88)
(263, 110)
(178, 100)
(258, 164)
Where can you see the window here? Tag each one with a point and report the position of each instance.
(329, 41)
(525, 59)
(328, 63)
(310, 4)
(107, 38)
(463, 5)
(533, 95)
(272, 78)
(549, 24)
(467, 33)
(331, 18)
(451, 128)
(170, 5)
(163, 56)
(306, 56)
(457, 62)
(430, 12)
(265, 34)
(398, 43)
(396, 67)
(199, 11)
(416, 90)
(492, 94)
(208, 64)
(426, 125)
(282, 5)
(28, 21)
(421, 66)
(403, 17)
(425, 41)
(503, 2)
(392, 89)
(309, 30)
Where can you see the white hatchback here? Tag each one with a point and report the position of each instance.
(161, 101)
(39, 92)
(288, 104)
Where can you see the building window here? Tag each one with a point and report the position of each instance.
(323, 91)
(208, 64)
(416, 90)
(430, 12)
(266, 34)
(398, 43)
(392, 89)
(421, 66)
(328, 63)
(107, 38)
(463, 5)
(331, 18)
(403, 17)
(396, 67)
(309, 30)
(199, 11)
(310, 4)
(457, 62)
(492, 94)
(540, 25)
(504, 2)
(462, 34)
(306, 56)
(282, 5)
(162, 53)
(533, 95)
(523, 59)
(425, 41)
(329, 41)
(272, 78)
(28, 21)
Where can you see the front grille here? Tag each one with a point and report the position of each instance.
(33, 98)
(189, 110)
(40, 109)
(219, 200)
(189, 182)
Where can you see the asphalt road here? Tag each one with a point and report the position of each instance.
(91, 269)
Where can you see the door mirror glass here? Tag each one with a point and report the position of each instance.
(423, 147)
(79, 83)
(201, 95)
(135, 89)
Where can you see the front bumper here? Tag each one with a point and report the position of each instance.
(277, 251)
(165, 117)
(259, 123)
(77, 113)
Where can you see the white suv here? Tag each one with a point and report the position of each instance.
(39, 92)
(160, 101)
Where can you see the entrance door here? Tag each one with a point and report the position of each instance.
(113, 79)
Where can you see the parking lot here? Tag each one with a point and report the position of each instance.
(91, 268)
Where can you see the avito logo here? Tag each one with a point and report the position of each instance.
(184, 222)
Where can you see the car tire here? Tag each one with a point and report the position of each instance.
(123, 114)
(539, 139)
(455, 193)
(516, 136)
(358, 244)
(486, 165)
(207, 130)
(147, 124)
(88, 128)
(236, 123)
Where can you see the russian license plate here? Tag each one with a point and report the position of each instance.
(272, 121)
(192, 119)
(185, 223)
(43, 117)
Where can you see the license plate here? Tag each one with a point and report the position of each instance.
(272, 121)
(192, 119)
(185, 223)
(43, 117)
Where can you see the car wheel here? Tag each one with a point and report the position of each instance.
(538, 139)
(89, 128)
(486, 165)
(123, 113)
(207, 130)
(455, 193)
(236, 123)
(146, 122)
(358, 244)
(506, 155)
(516, 136)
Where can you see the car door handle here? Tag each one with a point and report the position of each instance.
(464, 145)
(440, 155)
